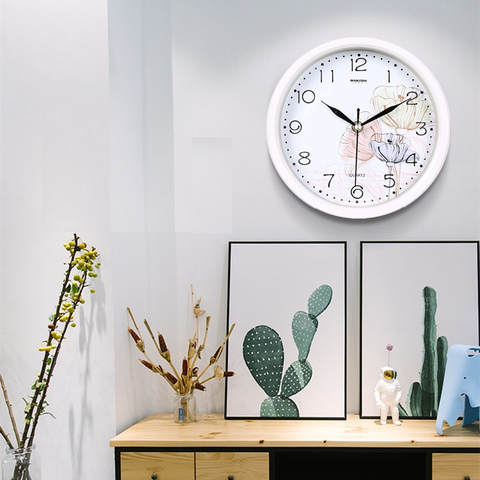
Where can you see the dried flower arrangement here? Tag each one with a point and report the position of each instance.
(190, 377)
(83, 264)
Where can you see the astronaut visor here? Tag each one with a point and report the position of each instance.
(389, 374)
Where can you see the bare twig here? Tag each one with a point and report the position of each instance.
(10, 412)
(5, 436)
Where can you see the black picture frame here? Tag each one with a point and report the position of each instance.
(408, 287)
(268, 282)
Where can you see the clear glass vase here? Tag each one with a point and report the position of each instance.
(21, 464)
(184, 408)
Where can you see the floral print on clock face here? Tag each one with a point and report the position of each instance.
(392, 140)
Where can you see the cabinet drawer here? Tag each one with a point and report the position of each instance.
(242, 466)
(455, 466)
(160, 465)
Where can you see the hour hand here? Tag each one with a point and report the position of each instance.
(339, 114)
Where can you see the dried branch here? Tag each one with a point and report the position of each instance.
(189, 379)
(10, 412)
(5, 436)
(216, 356)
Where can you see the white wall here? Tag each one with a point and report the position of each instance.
(224, 59)
(140, 125)
(54, 180)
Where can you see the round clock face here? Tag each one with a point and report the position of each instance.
(358, 128)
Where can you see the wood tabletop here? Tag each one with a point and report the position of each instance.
(212, 430)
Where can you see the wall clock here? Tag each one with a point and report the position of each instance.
(358, 128)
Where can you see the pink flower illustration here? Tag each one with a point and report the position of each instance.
(349, 138)
(407, 116)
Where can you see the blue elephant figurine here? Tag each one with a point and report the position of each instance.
(462, 379)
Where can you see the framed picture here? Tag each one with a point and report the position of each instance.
(288, 303)
(417, 299)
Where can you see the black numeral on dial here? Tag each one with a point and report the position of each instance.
(389, 178)
(332, 76)
(307, 96)
(295, 127)
(304, 158)
(358, 64)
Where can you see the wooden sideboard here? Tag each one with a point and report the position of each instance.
(217, 449)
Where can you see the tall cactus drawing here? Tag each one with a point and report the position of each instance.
(424, 396)
(263, 353)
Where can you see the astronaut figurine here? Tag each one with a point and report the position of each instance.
(387, 395)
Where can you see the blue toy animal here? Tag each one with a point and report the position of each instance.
(462, 379)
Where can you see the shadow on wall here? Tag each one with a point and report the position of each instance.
(91, 327)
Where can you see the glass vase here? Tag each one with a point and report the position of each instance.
(184, 408)
(21, 464)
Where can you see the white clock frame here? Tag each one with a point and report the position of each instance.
(438, 156)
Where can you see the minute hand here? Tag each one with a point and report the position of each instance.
(387, 110)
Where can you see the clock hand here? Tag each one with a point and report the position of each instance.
(388, 110)
(357, 131)
(339, 114)
(357, 190)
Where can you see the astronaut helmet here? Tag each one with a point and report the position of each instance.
(388, 374)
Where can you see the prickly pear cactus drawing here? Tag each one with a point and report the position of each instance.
(424, 396)
(263, 353)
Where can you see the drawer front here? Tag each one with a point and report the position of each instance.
(456, 466)
(157, 465)
(239, 465)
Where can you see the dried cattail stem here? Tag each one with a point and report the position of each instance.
(171, 378)
(189, 378)
(140, 344)
(163, 344)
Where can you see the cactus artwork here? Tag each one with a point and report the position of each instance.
(263, 353)
(424, 396)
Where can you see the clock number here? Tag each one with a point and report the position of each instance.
(388, 76)
(295, 127)
(411, 160)
(422, 130)
(415, 95)
(304, 158)
(356, 192)
(389, 178)
(331, 175)
(308, 96)
(357, 64)
(331, 73)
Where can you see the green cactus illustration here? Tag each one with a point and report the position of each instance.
(263, 353)
(424, 396)
(278, 406)
(296, 378)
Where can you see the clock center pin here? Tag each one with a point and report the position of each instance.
(357, 127)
